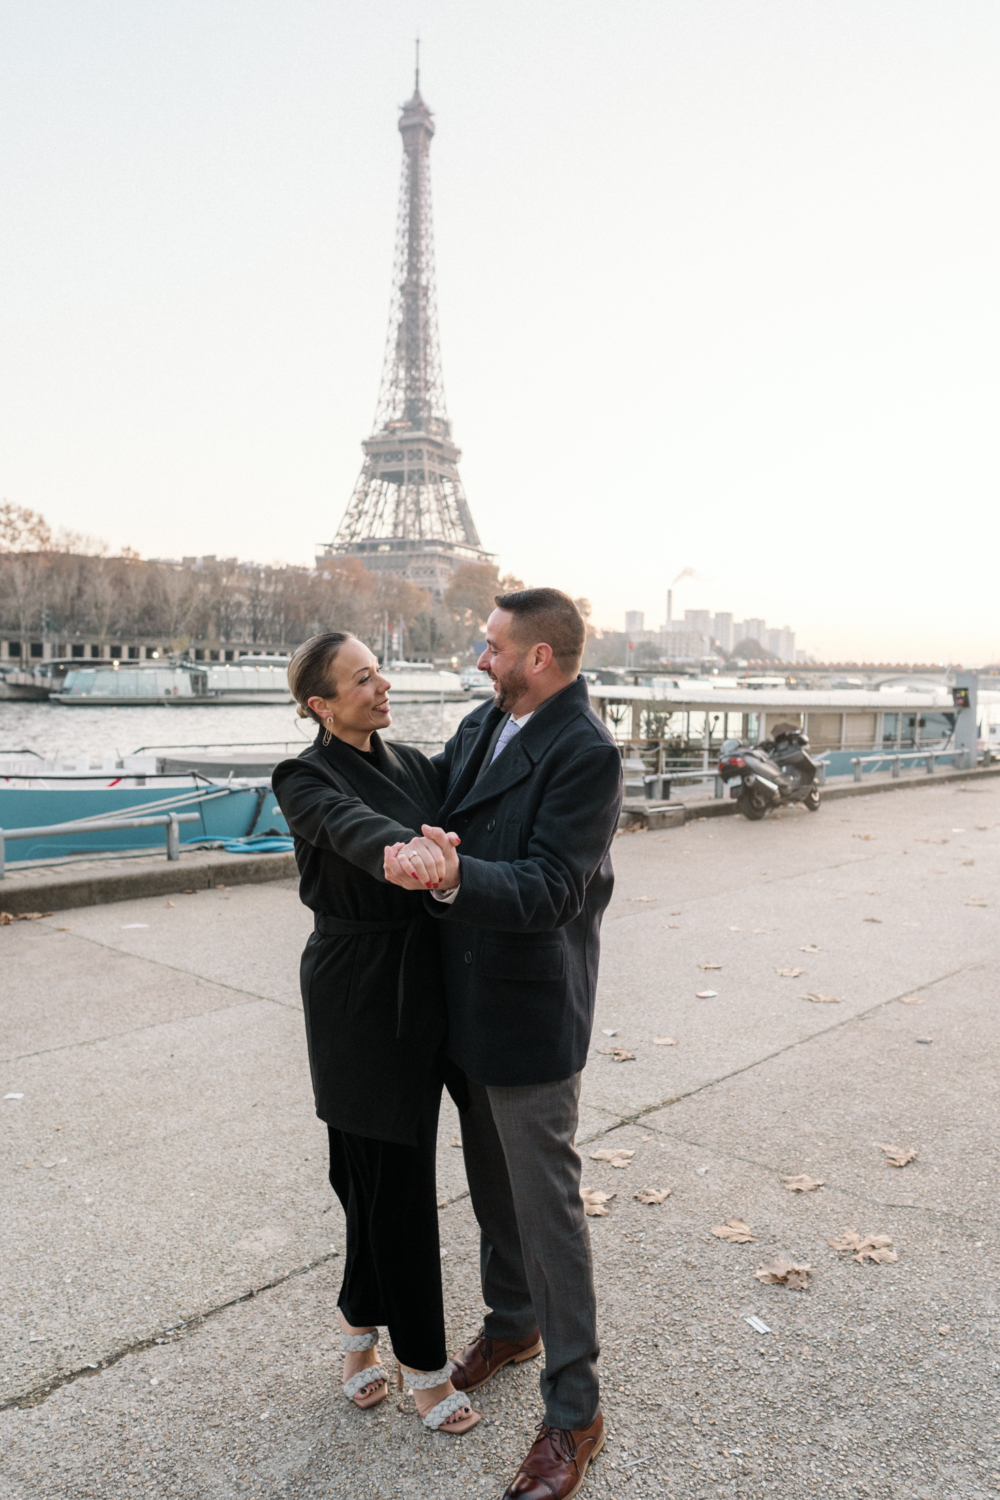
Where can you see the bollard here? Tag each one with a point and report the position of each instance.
(930, 765)
(720, 787)
(896, 764)
(173, 839)
(856, 763)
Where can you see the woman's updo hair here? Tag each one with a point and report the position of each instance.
(309, 671)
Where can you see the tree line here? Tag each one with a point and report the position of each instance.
(62, 587)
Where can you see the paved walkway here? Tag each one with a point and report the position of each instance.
(171, 1248)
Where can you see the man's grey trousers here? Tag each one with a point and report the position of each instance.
(535, 1260)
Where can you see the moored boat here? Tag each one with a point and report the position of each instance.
(422, 682)
(181, 685)
(36, 793)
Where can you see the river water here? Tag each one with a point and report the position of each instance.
(59, 732)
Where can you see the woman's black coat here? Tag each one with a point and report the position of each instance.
(371, 975)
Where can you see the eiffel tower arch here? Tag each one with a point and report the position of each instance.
(408, 514)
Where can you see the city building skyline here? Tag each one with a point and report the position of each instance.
(679, 637)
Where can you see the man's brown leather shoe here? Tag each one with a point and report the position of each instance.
(482, 1358)
(556, 1465)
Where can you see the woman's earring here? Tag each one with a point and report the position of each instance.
(328, 733)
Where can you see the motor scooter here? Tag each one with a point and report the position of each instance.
(772, 773)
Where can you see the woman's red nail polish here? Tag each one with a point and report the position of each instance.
(414, 876)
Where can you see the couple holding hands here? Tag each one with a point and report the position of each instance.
(458, 903)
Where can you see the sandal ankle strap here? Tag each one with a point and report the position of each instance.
(426, 1380)
(354, 1343)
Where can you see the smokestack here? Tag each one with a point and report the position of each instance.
(670, 605)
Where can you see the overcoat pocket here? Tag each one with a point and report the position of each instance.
(521, 964)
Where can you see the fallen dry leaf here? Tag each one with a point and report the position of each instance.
(642, 898)
(819, 999)
(594, 1201)
(705, 967)
(790, 973)
(618, 1053)
(784, 1273)
(802, 1183)
(616, 1155)
(652, 1195)
(456, 1141)
(968, 861)
(976, 901)
(897, 1156)
(862, 835)
(442, 1203)
(877, 1247)
(664, 1041)
(674, 925)
(170, 903)
(910, 1000)
(810, 948)
(6, 917)
(871, 919)
(733, 1230)
(705, 994)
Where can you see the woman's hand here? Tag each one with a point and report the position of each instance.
(428, 862)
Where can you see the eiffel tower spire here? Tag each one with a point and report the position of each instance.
(408, 514)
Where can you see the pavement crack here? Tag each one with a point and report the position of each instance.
(701, 1088)
(247, 996)
(39, 1393)
(111, 1036)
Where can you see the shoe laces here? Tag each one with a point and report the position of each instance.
(561, 1440)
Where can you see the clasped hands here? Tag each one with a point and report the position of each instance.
(430, 861)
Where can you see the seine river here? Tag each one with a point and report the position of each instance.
(62, 733)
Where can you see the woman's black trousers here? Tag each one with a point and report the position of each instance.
(392, 1275)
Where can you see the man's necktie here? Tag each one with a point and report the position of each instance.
(507, 733)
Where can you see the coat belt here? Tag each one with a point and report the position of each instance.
(329, 926)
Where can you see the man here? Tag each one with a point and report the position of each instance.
(534, 789)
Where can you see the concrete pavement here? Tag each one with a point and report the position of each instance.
(164, 1163)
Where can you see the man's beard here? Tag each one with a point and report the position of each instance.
(513, 687)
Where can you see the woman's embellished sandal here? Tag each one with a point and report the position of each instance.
(356, 1385)
(437, 1418)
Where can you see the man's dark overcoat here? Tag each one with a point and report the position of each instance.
(521, 940)
(371, 974)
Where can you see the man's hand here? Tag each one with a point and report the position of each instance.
(428, 862)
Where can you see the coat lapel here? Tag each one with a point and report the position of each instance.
(469, 769)
(382, 782)
(516, 761)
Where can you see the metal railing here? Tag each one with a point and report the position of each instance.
(930, 756)
(170, 821)
(657, 785)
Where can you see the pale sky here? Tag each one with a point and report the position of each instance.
(718, 287)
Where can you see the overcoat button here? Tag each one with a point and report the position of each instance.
(468, 958)
(491, 825)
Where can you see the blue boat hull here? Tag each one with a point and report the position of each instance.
(236, 813)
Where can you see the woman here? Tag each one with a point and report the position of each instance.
(371, 986)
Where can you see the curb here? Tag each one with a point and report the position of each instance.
(636, 816)
(59, 891)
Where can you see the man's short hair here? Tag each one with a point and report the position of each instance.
(549, 617)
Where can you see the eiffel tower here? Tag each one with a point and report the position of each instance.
(408, 514)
